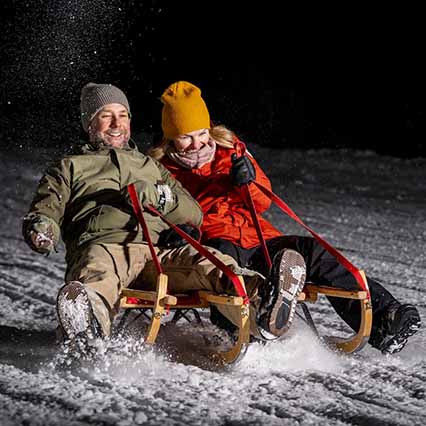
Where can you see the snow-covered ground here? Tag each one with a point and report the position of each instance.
(372, 208)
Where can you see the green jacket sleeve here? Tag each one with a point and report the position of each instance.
(186, 209)
(50, 199)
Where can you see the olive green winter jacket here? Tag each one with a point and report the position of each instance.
(83, 197)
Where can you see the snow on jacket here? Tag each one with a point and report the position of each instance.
(225, 212)
(83, 196)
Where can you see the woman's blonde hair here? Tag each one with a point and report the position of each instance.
(221, 135)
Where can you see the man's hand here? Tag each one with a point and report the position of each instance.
(41, 238)
(169, 238)
(242, 170)
(160, 196)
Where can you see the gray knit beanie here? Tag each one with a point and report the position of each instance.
(95, 96)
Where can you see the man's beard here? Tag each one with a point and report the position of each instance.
(98, 140)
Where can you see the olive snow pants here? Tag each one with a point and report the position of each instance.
(105, 269)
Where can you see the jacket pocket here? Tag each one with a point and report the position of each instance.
(108, 218)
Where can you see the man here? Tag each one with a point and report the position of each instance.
(84, 199)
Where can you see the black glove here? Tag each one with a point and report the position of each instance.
(169, 238)
(242, 170)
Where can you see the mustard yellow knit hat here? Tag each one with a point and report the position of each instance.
(184, 110)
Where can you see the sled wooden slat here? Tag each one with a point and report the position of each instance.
(311, 292)
(145, 299)
(182, 305)
(149, 296)
(221, 299)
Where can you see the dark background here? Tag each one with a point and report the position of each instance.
(307, 77)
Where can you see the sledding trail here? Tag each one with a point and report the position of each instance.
(370, 207)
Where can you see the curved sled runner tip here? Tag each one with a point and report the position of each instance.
(358, 340)
(239, 349)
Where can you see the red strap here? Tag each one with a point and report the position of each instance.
(203, 251)
(240, 149)
(342, 259)
(253, 212)
(138, 211)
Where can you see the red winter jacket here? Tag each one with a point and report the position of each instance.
(225, 213)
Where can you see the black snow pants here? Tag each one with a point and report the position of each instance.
(322, 268)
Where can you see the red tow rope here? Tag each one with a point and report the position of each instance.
(252, 208)
(241, 148)
(194, 243)
(138, 212)
(339, 256)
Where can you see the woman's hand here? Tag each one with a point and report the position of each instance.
(242, 170)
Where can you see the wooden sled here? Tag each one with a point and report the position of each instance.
(158, 301)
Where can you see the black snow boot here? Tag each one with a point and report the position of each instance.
(397, 324)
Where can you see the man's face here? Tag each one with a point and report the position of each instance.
(111, 125)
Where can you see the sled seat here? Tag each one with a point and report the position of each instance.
(159, 301)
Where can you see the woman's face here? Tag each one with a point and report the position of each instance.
(192, 141)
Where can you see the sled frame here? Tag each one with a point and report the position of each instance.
(159, 300)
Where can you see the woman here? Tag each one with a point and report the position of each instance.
(207, 161)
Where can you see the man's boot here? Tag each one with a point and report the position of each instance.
(75, 315)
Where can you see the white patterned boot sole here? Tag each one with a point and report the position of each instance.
(291, 279)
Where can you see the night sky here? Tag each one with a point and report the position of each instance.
(278, 76)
